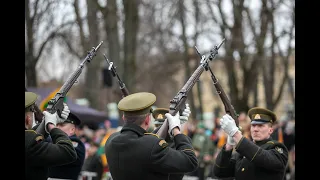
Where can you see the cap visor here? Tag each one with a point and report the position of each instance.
(258, 122)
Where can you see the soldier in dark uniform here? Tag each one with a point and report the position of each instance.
(263, 159)
(135, 154)
(72, 170)
(40, 155)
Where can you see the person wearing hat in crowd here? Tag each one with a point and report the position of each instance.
(40, 155)
(159, 117)
(71, 170)
(263, 158)
(135, 154)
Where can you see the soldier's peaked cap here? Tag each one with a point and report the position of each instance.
(30, 99)
(73, 119)
(261, 115)
(137, 103)
(159, 115)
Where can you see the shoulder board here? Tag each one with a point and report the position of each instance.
(32, 131)
(39, 138)
(151, 134)
(163, 143)
(270, 142)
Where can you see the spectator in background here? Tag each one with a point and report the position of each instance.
(93, 161)
(204, 149)
(244, 123)
(106, 126)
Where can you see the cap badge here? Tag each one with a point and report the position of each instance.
(160, 116)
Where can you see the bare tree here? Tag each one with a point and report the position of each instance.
(181, 17)
(273, 97)
(36, 12)
(87, 41)
(250, 62)
(131, 27)
(111, 20)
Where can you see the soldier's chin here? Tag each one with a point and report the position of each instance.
(256, 138)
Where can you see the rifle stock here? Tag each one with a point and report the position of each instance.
(229, 109)
(56, 103)
(179, 100)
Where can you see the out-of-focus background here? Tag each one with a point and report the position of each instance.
(152, 44)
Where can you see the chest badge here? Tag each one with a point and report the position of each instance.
(280, 150)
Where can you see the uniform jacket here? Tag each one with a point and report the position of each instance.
(40, 155)
(177, 176)
(264, 160)
(135, 154)
(71, 170)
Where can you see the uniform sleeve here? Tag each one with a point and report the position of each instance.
(224, 165)
(170, 160)
(80, 149)
(273, 158)
(59, 152)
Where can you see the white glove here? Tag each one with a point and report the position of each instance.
(230, 141)
(64, 114)
(228, 125)
(185, 114)
(50, 118)
(174, 121)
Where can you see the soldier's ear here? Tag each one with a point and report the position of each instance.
(147, 120)
(28, 119)
(271, 129)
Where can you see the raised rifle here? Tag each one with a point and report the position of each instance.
(114, 73)
(56, 103)
(179, 100)
(223, 96)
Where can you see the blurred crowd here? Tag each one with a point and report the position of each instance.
(207, 143)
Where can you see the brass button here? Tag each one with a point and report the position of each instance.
(242, 169)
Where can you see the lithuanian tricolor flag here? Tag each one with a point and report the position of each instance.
(44, 102)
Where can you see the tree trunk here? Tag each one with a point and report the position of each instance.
(92, 87)
(131, 26)
(186, 56)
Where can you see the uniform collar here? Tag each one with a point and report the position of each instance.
(73, 136)
(259, 143)
(135, 128)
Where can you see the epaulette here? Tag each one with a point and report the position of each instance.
(151, 134)
(163, 143)
(39, 138)
(270, 142)
(30, 130)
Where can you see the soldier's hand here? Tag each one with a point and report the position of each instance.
(50, 118)
(228, 125)
(185, 114)
(64, 114)
(174, 121)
